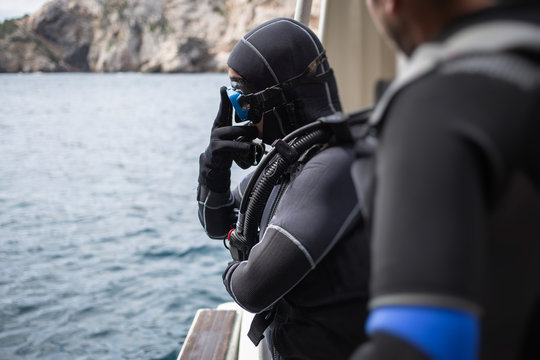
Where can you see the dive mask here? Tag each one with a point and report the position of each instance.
(241, 110)
(251, 106)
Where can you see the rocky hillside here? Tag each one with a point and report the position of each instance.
(133, 35)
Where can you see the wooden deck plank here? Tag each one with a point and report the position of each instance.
(210, 335)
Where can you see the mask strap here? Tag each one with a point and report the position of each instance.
(271, 92)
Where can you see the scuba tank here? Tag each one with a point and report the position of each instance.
(334, 129)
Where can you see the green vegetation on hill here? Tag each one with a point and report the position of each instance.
(9, 26)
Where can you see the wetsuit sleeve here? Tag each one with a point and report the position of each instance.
(217, 211)
(313, 213)
(446, 143)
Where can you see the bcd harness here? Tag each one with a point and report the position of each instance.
(334, 129)
(286, 153)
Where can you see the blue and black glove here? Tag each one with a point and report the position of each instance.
(227, 142)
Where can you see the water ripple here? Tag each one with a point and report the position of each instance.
(147, 231)
(191, 251)
(102, 254)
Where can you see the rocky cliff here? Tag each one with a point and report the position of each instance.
(133, 35)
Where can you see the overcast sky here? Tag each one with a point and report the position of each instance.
(18, 8)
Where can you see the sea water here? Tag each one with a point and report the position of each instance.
(101, 252)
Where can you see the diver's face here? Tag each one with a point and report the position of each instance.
(234, 77)
(375, 8)
(388, 22)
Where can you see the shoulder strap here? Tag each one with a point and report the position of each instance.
(260, 322)
(502, 35)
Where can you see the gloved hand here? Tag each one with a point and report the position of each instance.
(215, 163)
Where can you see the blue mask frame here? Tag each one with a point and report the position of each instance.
(234, 97)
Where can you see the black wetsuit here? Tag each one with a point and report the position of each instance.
(307, 265)
(310, 266)
(457, 204)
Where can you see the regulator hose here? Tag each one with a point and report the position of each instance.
(270, 178)
(284, 153)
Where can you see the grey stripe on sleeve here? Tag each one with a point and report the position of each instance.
(295, 242)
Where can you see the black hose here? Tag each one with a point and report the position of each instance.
(261, 184)
(270, 156)
(269, 179)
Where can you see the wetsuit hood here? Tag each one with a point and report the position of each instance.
(275, 52)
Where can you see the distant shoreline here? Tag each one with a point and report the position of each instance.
(177, 36)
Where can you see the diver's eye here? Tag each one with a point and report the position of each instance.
(240, 85)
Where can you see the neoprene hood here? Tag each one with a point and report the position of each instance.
(276, 52)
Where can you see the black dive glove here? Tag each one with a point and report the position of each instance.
(226, 143)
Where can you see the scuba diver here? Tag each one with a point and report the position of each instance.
(456, 234)
(305, 274)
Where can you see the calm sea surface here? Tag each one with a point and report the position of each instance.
(101, 252)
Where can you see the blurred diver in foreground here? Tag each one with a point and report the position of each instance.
(456, 227)
(297, 260)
